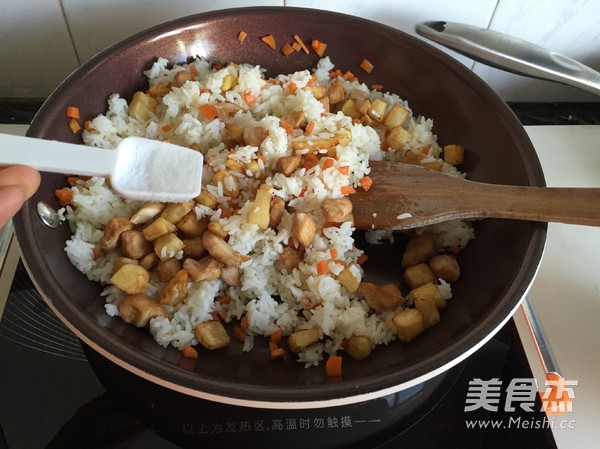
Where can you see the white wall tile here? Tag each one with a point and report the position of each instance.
(96, 24)
(36, 50)
(570, 27)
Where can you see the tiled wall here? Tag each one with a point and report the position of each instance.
(42, 41)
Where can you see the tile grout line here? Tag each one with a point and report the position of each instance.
(65, 18)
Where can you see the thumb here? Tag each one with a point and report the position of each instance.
(11, 200)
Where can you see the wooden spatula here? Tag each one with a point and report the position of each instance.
(408, 196)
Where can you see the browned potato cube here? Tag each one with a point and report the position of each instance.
(212, 335)
(381, 298)
(287, 165)
(220, 250)
(421, 247)
(206, 199)
(158, 228)
(193, 248)
(167, 269)
(120, 261)
(427, 307)
(418, 275)
(349, 109)
(147, 212)
(398, 137)
(229, 82)
(335, 209)
(362, 107)
(206, 269)
(350, 277)
(176, 290)
(191, 226)
(295, 119)
(259, 212)
(408, 324)
(149, 261)
(429, 290)
(168, 246)
(276, 210)
(336, 92)
(377, 110)
(233, 164)
(216, 228)
(298, 341)
(397, 116)
(317, 91)
(142, 105)
(176, 211)
(303, 228)
(289, 259)
(454, 154)
(140, 309)
(134, 245)
(131, 278)
(112, 232)
(445, 266)
(229, 182)
(358, 347)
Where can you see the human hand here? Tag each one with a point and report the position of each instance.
(17, 184)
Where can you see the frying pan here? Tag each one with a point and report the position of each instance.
(498, 266)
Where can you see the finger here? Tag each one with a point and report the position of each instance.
(11, 200)
(22, 176)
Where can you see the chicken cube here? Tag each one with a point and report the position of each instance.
(358, 347)
(445, 266)
(149, 261)
(295, 119)
(421, 247)
(408, 324)
(140, 309)
(429, 290)
(167, 269)
(168, 246)
(418, 275)
(212, 335)
(174, 212)
(193, 248)
(303, 228)
(298, 341)
(287, 165)
(131, 278)
(381, 298)
(220, 250)
(112, 232)
(227, 110)
(336, 92)
(454, 154)
(206, 269)
(289, 259)
(317, 91)
(259, 212)
(231, 275)
(191, 226)
(429, 311)
(147, 212)
(217, 229)
(418, 158)
(254, 135)
(134, 245)
(350, 277)
(336, 209)
(276, 210)
(181, 78)
(158, 228)
(176, 290)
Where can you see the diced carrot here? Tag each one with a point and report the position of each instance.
(65, 196)
(226, 212)
(376, 86)
(166, 128)
(366, 183)
(75, 127)
(217, 66)
(347, 190)
(189, 352)
(310, 127)
(307, 166)
(222, 314)
(292, 87)
(244, 322)
(73, 112)
(322, 267)
(344, 170)
(72, 180)
(223, 298)
(215, 316)
(287, 49)
(269, 40)
(275, 352)
(333, 366)
(288, 128)
(249, 97)
(311, 157)
(318, 47)
(348, 76)
(296, 46)
(239, 334)
(208, 111)
(88, 125)
(242, 36)
(96, 253)
(276, 336)
(328, 163)
(193, 70)
(299, 41)
(245, 258)
(333, 253)
(361, 259)
(426, 149)
(366, 65)
(455, 249)
(339, 262)
(330, 224)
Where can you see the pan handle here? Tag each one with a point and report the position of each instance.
(511, 54)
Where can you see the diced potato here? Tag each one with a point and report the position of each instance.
(231, 275)
(216, 228)
(398, 137)
(181, 78)
(326, 104)
(287, 165)
(349, 109)
(315, 144)
(212, 335)
(112, 232)
(131, 278)
(234, 165)
(158, 228)
(445, 266)
(421, 247)
(206, 199)
(350, 277)
(397, 116)
(381, 298)
(168, 246)
(228, 181)
(220, 250)
(317, 91)
(408, 324)
(429, 290)
(429, 310)
(259, 212)
(358, 347)
(176, 211)
(336, 92)
(176, 290)
(120, 261)
(232, 135)
(229, 82)
(191, 226)
(418, 158)
(147, 212)
(276, 210)
(358, 95)
(303, 228)
(159, 90)
(377, 110)
(206, 269)
(134, 245)
(140, 309)
(193, 248)
(335, 209)
(418, 275)
(295, 119)
(254, 168)
(298, 341)
(454, 154)
(141, 105)
(149, 261)
(167, 269)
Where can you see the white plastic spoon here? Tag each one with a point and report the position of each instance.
(139, 168)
